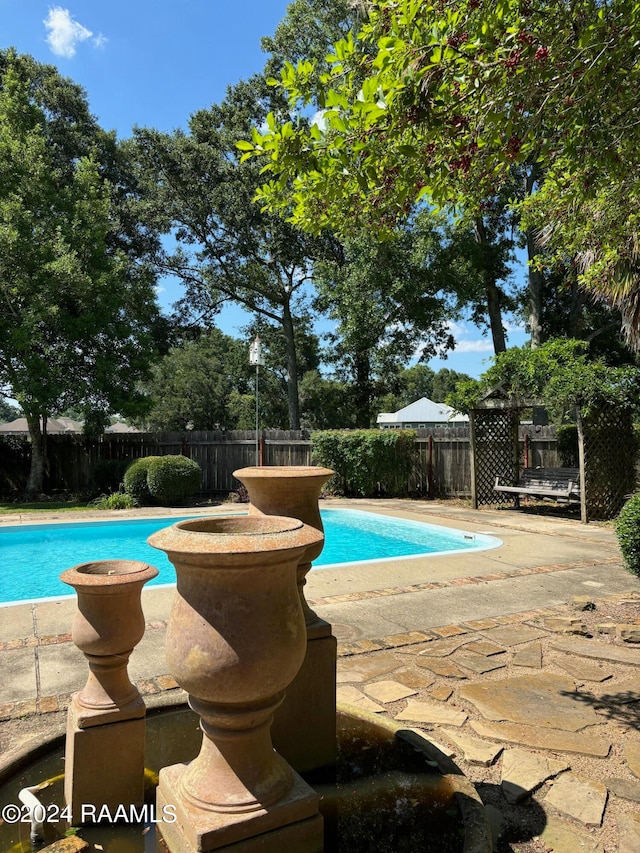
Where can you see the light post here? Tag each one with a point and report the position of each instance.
(256, 357)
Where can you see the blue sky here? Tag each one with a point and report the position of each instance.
(153, 63)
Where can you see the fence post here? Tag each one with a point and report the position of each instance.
(430, 466)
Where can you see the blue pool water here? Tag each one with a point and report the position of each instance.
(32, 556)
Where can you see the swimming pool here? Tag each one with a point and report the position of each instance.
(33, 555)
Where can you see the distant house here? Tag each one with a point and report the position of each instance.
(422, 414)
(59, 426)
(55, 426)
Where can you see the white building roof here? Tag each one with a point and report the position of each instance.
(423, 411)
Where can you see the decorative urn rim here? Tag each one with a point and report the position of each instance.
(283, 471)
(109, 573)
(235, 535)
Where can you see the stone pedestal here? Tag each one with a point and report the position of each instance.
(235, 640)
(104, 766)
(304, 728)
(104, 757)
(292, 824)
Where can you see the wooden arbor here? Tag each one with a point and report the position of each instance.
(606, 448)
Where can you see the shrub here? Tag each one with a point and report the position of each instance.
(135, 479)
(628, 530)
(367, 462)
(173, 478)
(117, 500)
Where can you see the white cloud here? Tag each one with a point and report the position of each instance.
(64, 33)
(481, 345)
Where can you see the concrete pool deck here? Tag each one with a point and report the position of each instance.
(420, 639)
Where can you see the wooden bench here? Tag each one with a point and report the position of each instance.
(556, 483)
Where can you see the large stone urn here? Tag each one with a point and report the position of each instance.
(291, 490)
(304, 727)
(105, 722)
(235, 640)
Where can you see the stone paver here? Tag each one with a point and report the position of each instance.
(414, 649)
(632, 757)
(542, 699)
(629, 833)
(626, 788)
(347, 694)
(629, 633)
(443, 648)
(446, 668)
(418, 680)
(484, 647)
(442, 693)
(565, 625)
(513, 635)
(524, 771)
(388, 691)
(560, 836)
(582, 670)
(623, 692)
(595, 649)
(530, 656)
(480, 663)
(582, 799)
(432, 713)
(538, 737)
(475, 750)
(362, 669)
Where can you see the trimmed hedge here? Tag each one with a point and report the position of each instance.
(162, 479)
(173, 478)
(628, 531)
(135, 479)
(367, 462)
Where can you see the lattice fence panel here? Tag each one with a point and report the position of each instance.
(609, 462)
(495, 452)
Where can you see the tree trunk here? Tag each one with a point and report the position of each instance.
(495, 316)
(536, 280)
(35, 483)
(494, 308)
(292, 368)
(362, 390)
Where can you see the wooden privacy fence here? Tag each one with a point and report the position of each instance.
(73, 459)
(442, 463)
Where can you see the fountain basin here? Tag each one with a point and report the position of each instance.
(391, 790)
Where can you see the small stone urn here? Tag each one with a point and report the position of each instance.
(107, 625)
(235, 640)
(104, 754)
(291, 490)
